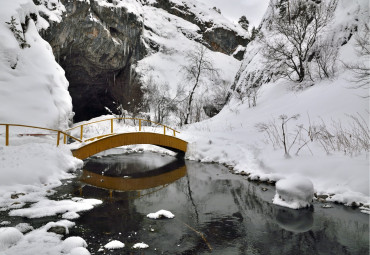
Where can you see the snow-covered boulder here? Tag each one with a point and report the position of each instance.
(9, 237)
(79, 251)
(115, 244)
(161, 214)
(73, 242)
(140, 246)
(294, 192)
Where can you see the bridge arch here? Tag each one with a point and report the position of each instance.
(116, 140)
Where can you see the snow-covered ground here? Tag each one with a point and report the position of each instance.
(232, 138)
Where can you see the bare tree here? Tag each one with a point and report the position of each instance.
(295, 27)
(198, 67)
(158, 99)
(362, 70)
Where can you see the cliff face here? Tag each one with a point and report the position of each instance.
(97, 45)
(217, 38)
(99, 42)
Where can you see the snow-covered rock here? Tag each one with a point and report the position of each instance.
(140, 246)
(161, 214)
(9, 236)
(115, 244)
(70, 215)
(79, 251)
(33, 87)
(73, 242)
(294, 192)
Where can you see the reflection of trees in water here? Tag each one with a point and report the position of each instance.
(234, 219)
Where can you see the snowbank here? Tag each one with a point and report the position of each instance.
(33, 87)
(35, 163)
(231, 138)
(161, 214)
(294, 192)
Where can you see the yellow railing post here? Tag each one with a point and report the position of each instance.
(111, 126)
(58, 138)
(174, 132)
(6, 135)
(64, 139)
(164, 130)
(139, 124)
(82, 132)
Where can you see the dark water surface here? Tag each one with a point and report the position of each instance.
(216, 212)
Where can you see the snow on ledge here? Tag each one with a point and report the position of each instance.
(294, 192)
(161, 214)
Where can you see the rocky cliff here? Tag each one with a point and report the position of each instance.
(99, 42)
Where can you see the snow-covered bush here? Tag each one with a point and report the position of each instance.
(294, 192)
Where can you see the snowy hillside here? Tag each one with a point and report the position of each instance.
(33, 88)
(326, 121)
(173, 37)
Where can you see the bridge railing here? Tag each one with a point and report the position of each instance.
(141, 124)
(67, 133)
(59, 134)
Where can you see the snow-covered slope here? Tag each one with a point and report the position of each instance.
(334, 109)
(33, 88)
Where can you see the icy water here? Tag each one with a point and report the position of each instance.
(215, 212)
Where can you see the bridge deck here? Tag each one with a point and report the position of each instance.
(113, 141)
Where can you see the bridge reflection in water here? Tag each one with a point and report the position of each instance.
(124, 182)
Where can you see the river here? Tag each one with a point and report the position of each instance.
(216, 212)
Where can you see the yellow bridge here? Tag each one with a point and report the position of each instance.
(93, 145)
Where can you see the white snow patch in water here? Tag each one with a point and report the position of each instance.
(294, 192)
(140, 246)
(161, 214)
(115, 244)
(70, 215)
(47, 207)
(4, 223)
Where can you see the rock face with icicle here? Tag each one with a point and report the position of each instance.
(99, 43)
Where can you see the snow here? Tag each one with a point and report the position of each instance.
(115, 244)
(73, 242)
(161, 214)
(39, 241)
(24, 227)
(231, 137)
(33, 86)
(9, 237)
(140, 246)
(79, 251)
(47, 207)
(175, 38)
(35, 163)
(294, 192)
(70, 215)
